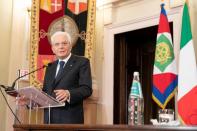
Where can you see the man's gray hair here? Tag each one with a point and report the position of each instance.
(65, 34)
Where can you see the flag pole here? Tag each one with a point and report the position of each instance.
(162, 1)
(186, 1)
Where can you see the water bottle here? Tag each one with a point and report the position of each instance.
(136, 102)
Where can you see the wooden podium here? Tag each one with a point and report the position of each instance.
(79, 127)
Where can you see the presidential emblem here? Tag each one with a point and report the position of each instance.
(163, 54)
(67, 24)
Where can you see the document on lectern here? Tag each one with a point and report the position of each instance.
(42, 99)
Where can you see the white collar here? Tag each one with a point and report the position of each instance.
(65, 59)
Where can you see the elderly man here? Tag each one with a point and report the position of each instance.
(68, 79)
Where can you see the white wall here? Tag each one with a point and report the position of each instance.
(193, 16)
(5, 31)
(19, 49)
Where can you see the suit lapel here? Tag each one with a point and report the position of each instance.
(67, 68)
(52, 76)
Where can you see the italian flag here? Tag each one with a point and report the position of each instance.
(187, 84)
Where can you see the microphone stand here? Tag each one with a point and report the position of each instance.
(11, 90)
(13, 84)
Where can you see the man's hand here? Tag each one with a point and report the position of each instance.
(22, 101)
(62, 95)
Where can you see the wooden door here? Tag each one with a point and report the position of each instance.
(134, 51)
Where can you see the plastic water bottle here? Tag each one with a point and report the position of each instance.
(136, 102)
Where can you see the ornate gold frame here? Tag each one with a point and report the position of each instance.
(34, 37)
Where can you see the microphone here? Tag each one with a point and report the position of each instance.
(11, 90)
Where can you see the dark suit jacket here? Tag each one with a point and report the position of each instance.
(76, 78)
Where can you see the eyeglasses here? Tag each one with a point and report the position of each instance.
(62, 44)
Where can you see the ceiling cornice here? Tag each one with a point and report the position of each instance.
(103, 4)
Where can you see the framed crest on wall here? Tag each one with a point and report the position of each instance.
(77, 17)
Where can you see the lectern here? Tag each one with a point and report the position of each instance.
(36, 98)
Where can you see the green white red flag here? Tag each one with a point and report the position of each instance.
(187, 84)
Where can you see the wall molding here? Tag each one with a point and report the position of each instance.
(115, 3)
(141, 19)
